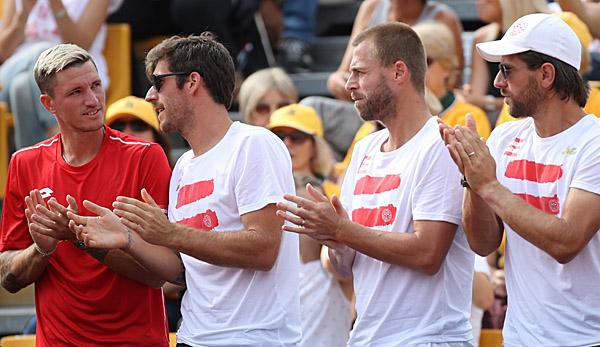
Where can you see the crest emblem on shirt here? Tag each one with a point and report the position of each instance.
(570, 151)
(513, 148)
(46, 192)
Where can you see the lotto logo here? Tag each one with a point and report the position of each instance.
(46, 192)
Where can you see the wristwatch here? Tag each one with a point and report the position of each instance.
(80, 244)
(464, 183)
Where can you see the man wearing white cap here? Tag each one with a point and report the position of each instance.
(538, 179)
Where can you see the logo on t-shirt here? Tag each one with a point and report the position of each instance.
(46, 192)
(514, 147)
(193, 192)
(527, 170)
(207, 220)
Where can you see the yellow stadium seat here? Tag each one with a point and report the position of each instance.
(117, 51)
(6, 123)
(18, 341)
(490, 338)
(172, 340)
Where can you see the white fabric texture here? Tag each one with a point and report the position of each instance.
(388, 191)
(224, 306)
(324, 309)
(550, 304)
(481, 265)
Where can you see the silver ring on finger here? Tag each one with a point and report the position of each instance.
(471, 154)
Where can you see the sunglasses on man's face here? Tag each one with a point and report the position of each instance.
(296, 137)
(157, 80)
(504, 70)
(134, 125)
(265, 108)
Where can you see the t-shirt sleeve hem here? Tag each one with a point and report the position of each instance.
(259, 204)
(437, 217)
(585, 186)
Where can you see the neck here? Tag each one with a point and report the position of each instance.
(405, 11)
(556, 116)
(206, 128)
(79, 148)
(409, 118)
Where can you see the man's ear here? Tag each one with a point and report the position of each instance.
(195, 81)
(48, 103)
(548, 75)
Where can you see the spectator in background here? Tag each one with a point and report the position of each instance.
(399, 238)
(540, 177)
(299, 18)
(263, 92)
(441, 66)
(325, 299)
(500, 14)
(28, 28)
(411, 12)
(84, 296)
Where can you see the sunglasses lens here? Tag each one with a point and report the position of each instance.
(296, 137)
(156, 82)
(263, 109)
(118, 125)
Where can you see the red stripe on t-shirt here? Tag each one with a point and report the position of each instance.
(548, 204)
(194, 192)
(371, 217)
(374, 185)
(206, 221)
(531, 171)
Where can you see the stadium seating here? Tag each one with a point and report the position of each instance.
(18, 341)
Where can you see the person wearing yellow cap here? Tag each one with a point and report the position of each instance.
(136, 117)
(324, 300)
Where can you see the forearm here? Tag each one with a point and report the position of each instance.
(550, 233)
(481, 224)
(341, 261)
(83, 31)
(587, 12)
(11, 36)
(483, 292)
(18, 269)
(407, 249)
(161, 261)
(242, 249)
(126, 265)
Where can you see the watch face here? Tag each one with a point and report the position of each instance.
(80, 244)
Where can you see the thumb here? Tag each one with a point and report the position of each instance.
(337, 205)
(470, 123)
(72, 203)
(95, 209)
(148, 198)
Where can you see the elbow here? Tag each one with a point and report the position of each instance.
(564, 256)
(158, 283)
(430, 265)
(10, 283)
(267, 259)
(565, 252)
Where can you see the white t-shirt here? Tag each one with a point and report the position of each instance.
(225, 306)
(550, 304)
(324, 309)
(41, 27)
(388, 191)
(481, 265)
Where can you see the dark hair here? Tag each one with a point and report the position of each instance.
(568, 83)
(197, 53)
(394, 42)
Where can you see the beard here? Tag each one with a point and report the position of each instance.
(379, 104)
(527, 103)
(172, 117)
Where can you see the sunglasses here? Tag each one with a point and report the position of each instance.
(157, 80)
(134, 125)
(504, 70)
(295, 137)
(265, 108)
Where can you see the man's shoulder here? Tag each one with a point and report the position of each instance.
(35, 151)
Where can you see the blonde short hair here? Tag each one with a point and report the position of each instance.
(439, 43)
(259, 83)
(56, 59)
(515, 9)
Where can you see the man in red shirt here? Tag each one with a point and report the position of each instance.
(84, 296)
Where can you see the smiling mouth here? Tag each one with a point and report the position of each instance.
(92, 113)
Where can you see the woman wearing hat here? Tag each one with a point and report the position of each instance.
(324, 299)
(136, 117)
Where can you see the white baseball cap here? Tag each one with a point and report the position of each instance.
(538, 32)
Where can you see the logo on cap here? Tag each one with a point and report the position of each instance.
(518, 28)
